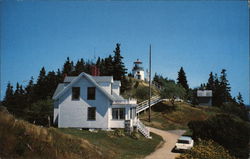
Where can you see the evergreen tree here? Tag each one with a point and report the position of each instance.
(224, 86)
(51, 82)
(107, 69)
(30, 91)
(9, 94)
(68, 67)
(59, 76)
(119, 70)
(41, 86)
(182, 79)
(240, 99)
(210, 83)
(80, 67)
(216, 99)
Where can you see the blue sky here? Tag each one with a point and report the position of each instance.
(201, 36)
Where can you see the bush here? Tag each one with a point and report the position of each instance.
(142, 93)
(206, 149)
(228, 131)
(119, 132)
(236, 109)
(135, 135)
(40, 111)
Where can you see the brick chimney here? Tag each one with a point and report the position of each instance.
(95, 70)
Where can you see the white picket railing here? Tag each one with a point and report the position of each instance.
(145, 105)
(143, 129)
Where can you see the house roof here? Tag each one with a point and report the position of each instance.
(117, 97)
(103, 78)
(68, 79)
(98, 79)
(117, 83)
(60, 90)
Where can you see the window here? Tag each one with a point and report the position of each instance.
(75, 93)
(91, 113)
(91, 93)
(118, 113)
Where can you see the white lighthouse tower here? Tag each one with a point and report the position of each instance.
(138, 71)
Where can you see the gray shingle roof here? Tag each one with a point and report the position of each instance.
(98, 79)
(117, 83)
(59, 88)
(117, 97)
(68, 79)
(103, 78)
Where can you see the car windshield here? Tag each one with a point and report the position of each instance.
(183, 141)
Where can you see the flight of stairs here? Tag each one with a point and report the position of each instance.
(143, 129)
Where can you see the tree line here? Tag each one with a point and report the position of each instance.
(33, 102)
(220, 86)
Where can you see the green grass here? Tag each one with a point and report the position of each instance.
(165, 116)
(123, 147)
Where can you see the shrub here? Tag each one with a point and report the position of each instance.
(236, 109)
(119, 132)
(135, 135)
(207, 149)
(228, 131)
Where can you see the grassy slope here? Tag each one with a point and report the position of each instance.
(166, 117)
(20, 139)
(124, 147)
(134, 92)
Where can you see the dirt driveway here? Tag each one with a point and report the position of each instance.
(170, 138)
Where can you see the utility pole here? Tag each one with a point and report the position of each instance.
(149, 100)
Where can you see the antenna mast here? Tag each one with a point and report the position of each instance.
(149, 100)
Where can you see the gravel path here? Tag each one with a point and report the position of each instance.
(169, 138)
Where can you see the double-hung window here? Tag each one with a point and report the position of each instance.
(75, 93)
(91, 93)
(118, 113)
(91, 113)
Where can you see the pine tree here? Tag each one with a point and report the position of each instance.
(68, 67)
(225, 87)
(51, 82)
(9, 94)
(80, 67)
(210, 83)
(240, 99)
(107, 69)
(41, 86)
(30, 91)
(182, 79)
(119, 70)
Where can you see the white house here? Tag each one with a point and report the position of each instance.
(138, 71)
(87, 101)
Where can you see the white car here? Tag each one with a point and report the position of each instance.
(184, 143)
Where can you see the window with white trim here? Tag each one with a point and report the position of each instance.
(118, 113)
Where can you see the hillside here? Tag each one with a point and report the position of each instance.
(166, 117)
(139, 90)
(20, 139)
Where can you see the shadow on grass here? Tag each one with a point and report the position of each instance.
(161, 107)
